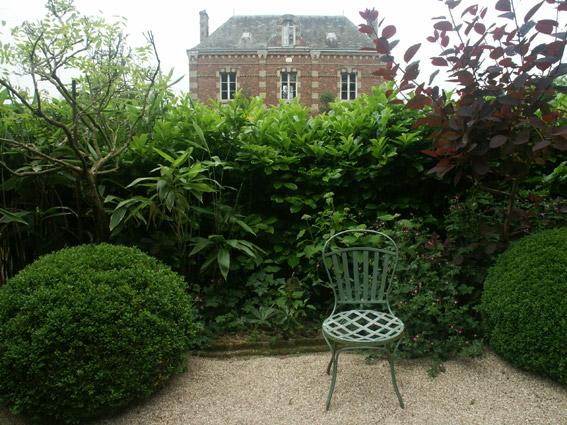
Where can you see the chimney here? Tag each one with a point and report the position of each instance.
(204, 25)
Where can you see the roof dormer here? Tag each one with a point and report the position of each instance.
(331, 39)
(289, 28)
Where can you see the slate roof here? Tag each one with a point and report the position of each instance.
(265, 33)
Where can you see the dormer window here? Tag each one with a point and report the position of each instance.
(288, 33)
(331, 39)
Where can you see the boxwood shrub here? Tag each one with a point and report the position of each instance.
(87, 330)
(524, 304)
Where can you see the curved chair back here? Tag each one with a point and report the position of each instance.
(360, 274)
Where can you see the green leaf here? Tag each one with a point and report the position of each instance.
(245, 226)
(223, 259)
(388, 217)
(7, 217)
(291, 186)
(141, 179)
(201, 187)
(236, 244)
(252, 246)
(293, 261)
(116, 217)
(182, 158)
(200, 133)
(164, 155)
(92, 151)
(208, 262)
(161, 187)
(200, 245)
(170, 200)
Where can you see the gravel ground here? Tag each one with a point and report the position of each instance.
(291, 390)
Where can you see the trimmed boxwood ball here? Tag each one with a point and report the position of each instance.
(524, 304)
(87, 330)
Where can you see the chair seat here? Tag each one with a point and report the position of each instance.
(363, 326)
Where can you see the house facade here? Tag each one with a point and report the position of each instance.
(282, 58)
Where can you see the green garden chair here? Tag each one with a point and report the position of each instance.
(361, 279)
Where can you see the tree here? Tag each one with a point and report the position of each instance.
(89, 95)
(501, 121)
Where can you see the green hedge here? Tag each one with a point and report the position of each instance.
(524, 304)
(86, 330)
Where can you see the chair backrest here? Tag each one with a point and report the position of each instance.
(360, 274)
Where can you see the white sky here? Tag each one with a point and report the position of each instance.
(175, 23)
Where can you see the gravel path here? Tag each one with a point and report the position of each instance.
(291, 390)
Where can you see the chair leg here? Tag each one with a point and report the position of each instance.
(393, 372)
(332, 348)
(334, 361)
(330, 362)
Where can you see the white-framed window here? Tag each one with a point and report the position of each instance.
(288, 84)
(348, 85)
(227, 85)
(288, 34)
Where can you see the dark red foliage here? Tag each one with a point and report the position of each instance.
(439, 62)
(385, 73)
(498, 141)
(411, 51)
(546, 26)
(389, 31)
(382, 45)
(500, 121)
(499, 32)
(503, 5)
(412, 71)
(418, 102)
(471, 9)
(479, 28)
(532, 11)
(496, 52)
(366, 29)
(369, 15)
(508, 62)
(443, 26)
(453, 3)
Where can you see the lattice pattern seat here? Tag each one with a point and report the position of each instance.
(363, 326)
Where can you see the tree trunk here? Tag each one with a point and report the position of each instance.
(101, 230)
(509, 210)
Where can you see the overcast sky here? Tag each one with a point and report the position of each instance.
(175, 23)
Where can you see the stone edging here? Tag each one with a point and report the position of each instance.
(264, 348)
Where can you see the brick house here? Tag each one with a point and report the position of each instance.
(282, 57)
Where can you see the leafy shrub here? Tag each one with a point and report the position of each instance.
(524, 305)
(283, 181)
(86, 330)
(504, 117)
(325, 100)
(429, 298)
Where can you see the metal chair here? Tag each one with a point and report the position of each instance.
(361, 279)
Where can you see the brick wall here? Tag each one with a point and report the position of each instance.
(258, 74)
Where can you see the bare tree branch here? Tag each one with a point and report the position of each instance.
(49, 158)
(28, 173)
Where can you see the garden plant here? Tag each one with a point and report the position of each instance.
(88, 330)
(524, 304)
(239, 197)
